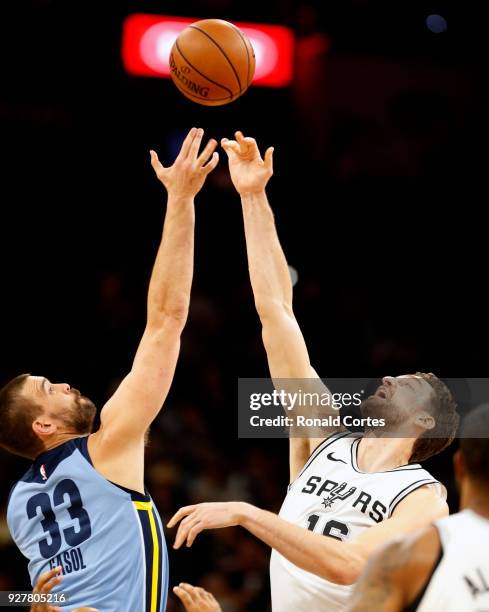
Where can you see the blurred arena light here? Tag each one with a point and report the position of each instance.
(147, 40)
(436, 24)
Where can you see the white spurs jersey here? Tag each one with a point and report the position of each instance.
(331, 496)
(460, 582)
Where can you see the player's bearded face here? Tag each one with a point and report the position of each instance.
(379, 408)
(384, 405)
(81, 414)
(398, 401)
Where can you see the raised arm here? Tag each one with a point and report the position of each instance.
(269, 273)
(129, 412)
(331, 559)
(270, 279)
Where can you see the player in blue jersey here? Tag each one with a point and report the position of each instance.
(83, 504)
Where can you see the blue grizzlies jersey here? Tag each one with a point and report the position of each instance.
(109, 540)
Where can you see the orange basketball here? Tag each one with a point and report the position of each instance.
(212, 62)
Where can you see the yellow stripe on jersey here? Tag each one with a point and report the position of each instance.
(148, 507)
(143, 505)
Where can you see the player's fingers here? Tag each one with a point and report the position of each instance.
(269, 158)
(181, 535)
(210, 597)
(47, 586)
(184, 598)
(251, 147)
(188, 520)
(209, 167)
(231, 147)
(207, 152)
(178, 516)
(188, 588)
(239, 137)
(195, 146)
(202, 593)
(243, 145)
(183, 595)
(184, 151)
(227, 142)
(155, 162)
(247, 143)
(193, 532)
(184, 528)
(43, 578)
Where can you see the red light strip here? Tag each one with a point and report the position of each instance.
(147, 40)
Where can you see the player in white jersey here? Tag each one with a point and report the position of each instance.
(360, 491)
(446, 565)
(333, 497)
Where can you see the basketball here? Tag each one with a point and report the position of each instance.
(212, 62)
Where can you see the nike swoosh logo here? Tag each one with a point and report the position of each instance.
(331, 458)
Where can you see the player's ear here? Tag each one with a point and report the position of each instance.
(425, 420)
(44, 426)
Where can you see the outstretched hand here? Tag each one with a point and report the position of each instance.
(196, 599)
(203, 516)
(187, 175)
(249, 172)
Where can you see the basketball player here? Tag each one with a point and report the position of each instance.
(360, 490)
(446, 565)
(83, 504)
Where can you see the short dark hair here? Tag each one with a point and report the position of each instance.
(444, 411)
(474, 443)
(17, 414)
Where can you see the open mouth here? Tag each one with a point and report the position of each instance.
(381, 392)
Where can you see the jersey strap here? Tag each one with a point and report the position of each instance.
(320, 448)
(417, 484)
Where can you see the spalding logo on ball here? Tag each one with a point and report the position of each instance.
(212, 62)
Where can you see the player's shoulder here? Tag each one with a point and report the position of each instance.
(413, 482)
(45, 463)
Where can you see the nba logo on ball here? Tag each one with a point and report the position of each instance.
(212, 62)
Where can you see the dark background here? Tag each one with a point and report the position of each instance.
(379, 193)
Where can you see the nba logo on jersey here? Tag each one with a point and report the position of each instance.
(43, 472)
